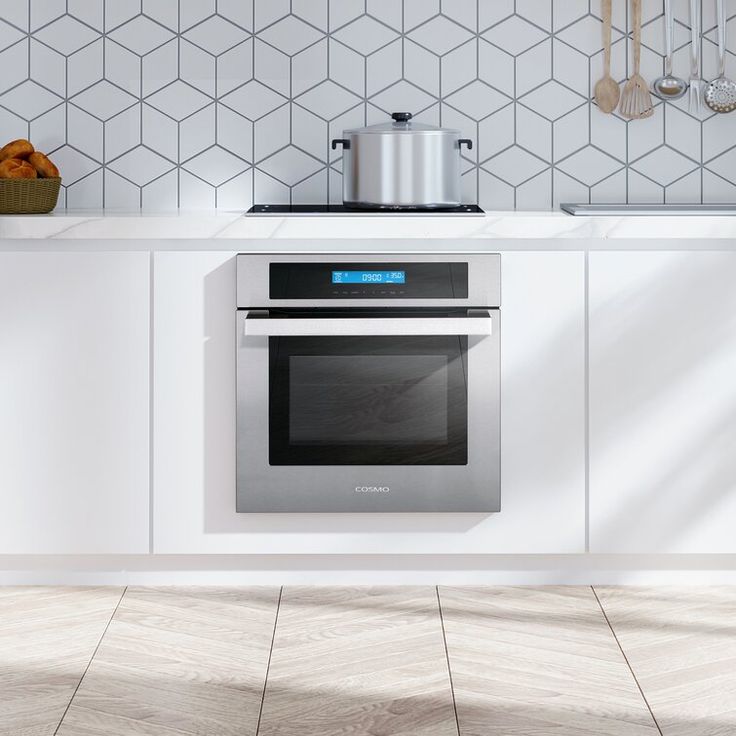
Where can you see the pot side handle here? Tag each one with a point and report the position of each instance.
(461, 142)
(344, 142)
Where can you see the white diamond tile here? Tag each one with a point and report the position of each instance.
(290, 166)
(494, 194)
(253, 100)
(717, 134)
(459, 67)
(290, 35)
(642, 190)
(365, 35)
(160, 133)
(197, 67)
(514, 35)
(464, 12)
(9, 35)
(567, 189)
(141, 35)
(568, 12)
(608, 132)
(14, 65)
(440, 35)
(103, 100)
(236, 194)
(402, 96)
(683, 133)
(141, 165)
(717, 190)
(538, 12)
(84, 68)
(66, 35)
(421, 67)
(193, 11)
(418, 11)
(12, 126)
(268, 189)
(571, 68)
(178, 100)
(44, 12)
(337, 127)
(585, 35)
(29, 100)
(15, 12)
(86, 193)
(387, 11)
(552, 100)
(347, 67)
(309, 68)
(328, 100)
(533, 132)
(664, 165)
(216, 166)
(311, 11)
(495, 67)
(48, 131)
(685, 190)
(235, 133)
(271, 132)
(344, 11)
(165, 12)
(570, 133)
(535, 194)
(216, 35)
(310, 190)
(121, 194)
(86, 134)
(477, 100)
(384, 67)
(123, 132)
(160, 67)
(309, 133)
(235, 67)
(197, 132)
(492, 12)
(160, 194)
(533, 68)
(73, 164)
(515, 166)
(589, 166)
(495, 133)
(122, 67)
(724, 165)
(268, 12)
(609, 190)
(195, 194)
(239, 12)
(273, 68)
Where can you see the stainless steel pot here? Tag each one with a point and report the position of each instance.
(401, 165)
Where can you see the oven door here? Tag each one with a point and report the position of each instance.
(368, 411)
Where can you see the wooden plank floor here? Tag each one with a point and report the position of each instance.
(681, 645)
(402, 661)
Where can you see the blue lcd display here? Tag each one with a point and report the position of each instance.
(369, 277)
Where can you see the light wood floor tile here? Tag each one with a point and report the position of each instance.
(681, 644)
(47, 638)
(358, 662)
(536, 662)
(178, 660)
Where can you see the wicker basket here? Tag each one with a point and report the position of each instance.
(28, 196)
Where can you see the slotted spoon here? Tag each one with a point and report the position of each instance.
(720, 94)
(636, 102)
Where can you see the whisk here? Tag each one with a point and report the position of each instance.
(636, 102)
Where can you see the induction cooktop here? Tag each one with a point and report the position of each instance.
(306, 210)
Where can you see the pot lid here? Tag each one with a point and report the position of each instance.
(402, 123)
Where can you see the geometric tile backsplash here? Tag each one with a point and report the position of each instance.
(219, 103)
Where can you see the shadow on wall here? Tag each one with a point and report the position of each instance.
(219, 451)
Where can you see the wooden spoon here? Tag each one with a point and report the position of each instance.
(606, 90)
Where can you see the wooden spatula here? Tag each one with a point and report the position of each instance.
(636, 102)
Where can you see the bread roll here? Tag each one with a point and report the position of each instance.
(14, 168)
(43, 165)
(16, 149)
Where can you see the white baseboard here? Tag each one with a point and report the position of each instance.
(370, 570)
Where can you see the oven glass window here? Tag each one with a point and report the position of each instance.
(368, 400)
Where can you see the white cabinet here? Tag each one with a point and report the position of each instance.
(542, 423)
(74, 403)
(663, 402)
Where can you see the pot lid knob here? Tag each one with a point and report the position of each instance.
(402, 117)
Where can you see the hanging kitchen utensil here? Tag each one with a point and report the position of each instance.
(636, 102)
(696, 83)
(669, 87)
(606, 90)
(720, 94)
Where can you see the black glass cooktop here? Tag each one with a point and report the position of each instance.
(341, 209)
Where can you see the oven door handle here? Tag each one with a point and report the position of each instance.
(478, 322)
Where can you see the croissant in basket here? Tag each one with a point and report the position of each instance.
(15, 168)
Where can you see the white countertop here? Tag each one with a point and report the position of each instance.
(494, 226)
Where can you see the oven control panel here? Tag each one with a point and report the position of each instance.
(411, 280)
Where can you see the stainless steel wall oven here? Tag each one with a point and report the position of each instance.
(368, 383)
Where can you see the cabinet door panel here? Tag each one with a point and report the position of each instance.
(662, 402)
(542, 426)
(74, 405)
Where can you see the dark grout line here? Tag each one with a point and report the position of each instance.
(91, 659)
(447, 658)
(626, 659)
(268, 664)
